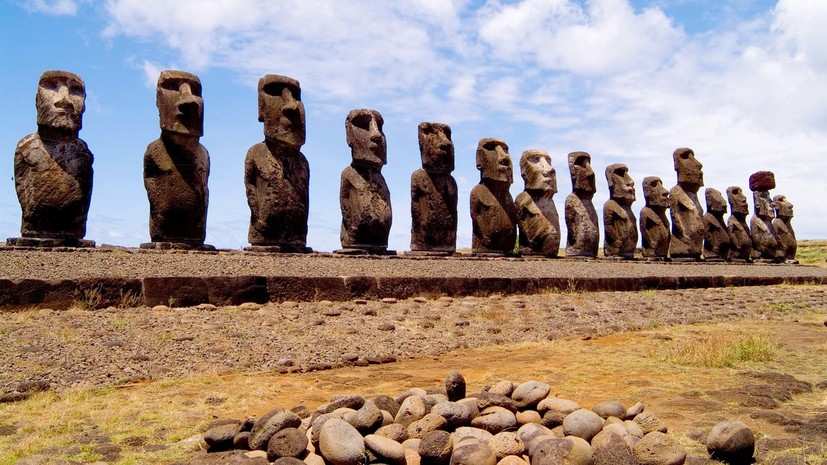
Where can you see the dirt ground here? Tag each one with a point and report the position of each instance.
(611, 346)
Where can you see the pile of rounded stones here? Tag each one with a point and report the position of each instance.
(505, 424)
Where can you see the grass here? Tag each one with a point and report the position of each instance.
(719, 350)
(812, 252)
(89, 299)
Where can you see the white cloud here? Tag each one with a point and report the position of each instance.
(151, 73)
(54, 7)
(801, 25)
(607, 36)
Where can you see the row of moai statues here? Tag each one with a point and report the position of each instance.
(53, 179)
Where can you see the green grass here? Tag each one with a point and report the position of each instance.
(812, 252)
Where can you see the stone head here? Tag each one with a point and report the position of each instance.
(436, 148)
(281, 110)
(179, 102)
(365, 138)
(621, 185)
(715, 202)
(783, 207)
(689, 169)
(737, 201)
(493, 160)
(582, 175)
(655, 194)
(60, 101)
(537, 172)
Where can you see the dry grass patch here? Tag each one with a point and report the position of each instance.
(812, 252)
(719, 349)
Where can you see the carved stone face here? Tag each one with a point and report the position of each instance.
(737, 201)
(655, 194)
(60, 100)
(715, 202)
(281, 110)
(180, 104)
(690, 173)
(535, 166)
(621, 185)
(436, 148)
(365, 137)
(582, 175)
(493, 160)
(763, 205)
(783, 208)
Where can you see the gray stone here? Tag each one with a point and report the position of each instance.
(650, 422)
(528, 416)
(493, 216)
(176, 166)
(654, 224)
(341, 444)
(507, 443)
(385, 449)
(220, 437)
(495, 419)
(732, 442)
(619, 222)
(536, 213)
(455, 414)
(530, 393)
(454, 386)
(434, 192)
(488, 399)
(562, 451)
(394, 431)
(53, 167)
(737, 225)
(364, 196)
(465, 432)
(610, 408)
(367, 419)
(289, 442)
(430, 422)
(351, 401)
(583, 237)
(717, 243)
(412, 409)
(435, 448)
(633, 411)
(659, 449)
(583, 424)
(475, 453)
(263, 431)
(503, 388)
(610, 449)
(386, 403)
(787, 243)
(685, 209)
(529, 431)
(276, 173)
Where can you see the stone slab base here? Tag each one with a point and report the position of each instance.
(278, 249)
(177, 246)
(364, 251)
(234, 290)
(429, 253)
(42, 242)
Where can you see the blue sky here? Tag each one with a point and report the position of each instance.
(742, 82)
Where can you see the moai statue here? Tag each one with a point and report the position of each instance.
(685, 209)
(364, 196)
(739, 234)
(493, 216)
(53, 167)
(276, 173)
(654, 224)
(764, 238)
(581, 219)
(717, 242)
(176, 166)
(434, 193)
(619, 222)
(787, 244)
(536, 213)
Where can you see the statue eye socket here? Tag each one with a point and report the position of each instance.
(76, 90)
(534, 160)
(361, 121)
(686, 155)
(490, 145)
(581, 161)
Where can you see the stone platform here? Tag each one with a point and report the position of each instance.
(57, 278)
